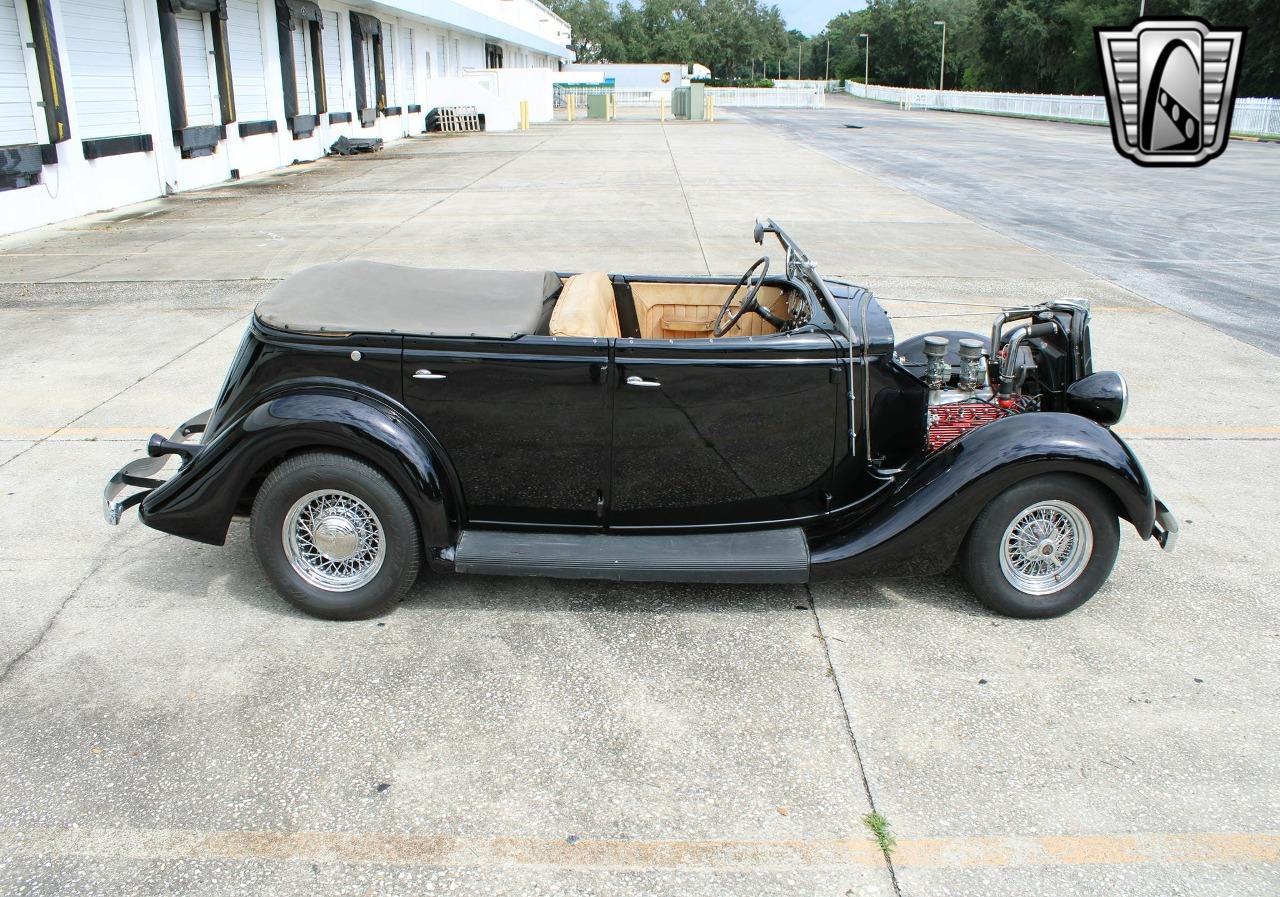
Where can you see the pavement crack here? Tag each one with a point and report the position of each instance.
(109, 553)
(185, 352)
(848, 725)
(685, 195)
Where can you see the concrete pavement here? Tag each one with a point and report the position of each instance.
(167, 724)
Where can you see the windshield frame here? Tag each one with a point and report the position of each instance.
(801, 267)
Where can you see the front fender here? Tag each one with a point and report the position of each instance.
(919, 528)
(199, 501)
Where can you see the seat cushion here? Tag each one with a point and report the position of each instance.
(586, 308)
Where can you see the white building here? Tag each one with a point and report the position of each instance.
(107, 102)
(635, 75)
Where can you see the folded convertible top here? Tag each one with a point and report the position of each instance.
(371, 297)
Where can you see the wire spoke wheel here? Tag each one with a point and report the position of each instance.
(1046, 548)
(333, 540)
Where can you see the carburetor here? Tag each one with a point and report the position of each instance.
(956, 409)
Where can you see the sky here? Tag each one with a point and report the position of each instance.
(811, 16)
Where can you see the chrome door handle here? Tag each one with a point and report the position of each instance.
(641, 381)
(425, 374)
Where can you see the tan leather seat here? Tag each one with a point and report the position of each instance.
(586, 308)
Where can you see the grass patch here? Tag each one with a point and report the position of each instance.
(879, 827)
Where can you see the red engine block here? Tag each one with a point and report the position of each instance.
(950, 422)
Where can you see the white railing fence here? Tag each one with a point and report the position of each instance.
(825, 86)
(626, 96)
(1259, 116)
(770, 97)
(1255, 116)
(757, 97)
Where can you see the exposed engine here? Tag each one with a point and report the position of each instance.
(1034, 358)
(958, 399)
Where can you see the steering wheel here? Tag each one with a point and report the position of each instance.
(749, 302)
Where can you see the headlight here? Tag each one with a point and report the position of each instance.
(1101, 397)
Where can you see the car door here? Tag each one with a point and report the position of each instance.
(729, 431)
(525, 423)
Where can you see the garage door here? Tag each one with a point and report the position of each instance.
(102, 81)
(408, 91)
(193, 48)
(248, 71)
(302, 68)
(17, 119)
(389, 63)
(333, 62)
(370, 75)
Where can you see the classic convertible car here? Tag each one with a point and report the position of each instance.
(649, 428)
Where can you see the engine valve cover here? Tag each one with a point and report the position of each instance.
(949, 422)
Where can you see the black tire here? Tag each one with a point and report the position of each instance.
(400, 557)
(981, 554)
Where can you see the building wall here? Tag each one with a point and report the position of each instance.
(637, 76)
(146, 163)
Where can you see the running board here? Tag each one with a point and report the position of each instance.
(778, 556)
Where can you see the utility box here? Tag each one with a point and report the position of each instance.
(680, 103)
(697, 101)
(689, 103)
(598, 106)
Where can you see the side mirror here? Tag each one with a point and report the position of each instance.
(759, 232)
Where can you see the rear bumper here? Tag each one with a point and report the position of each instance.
(140, 473)
(1165, 530)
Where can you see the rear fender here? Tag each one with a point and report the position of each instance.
(199, 501)
(920, 527)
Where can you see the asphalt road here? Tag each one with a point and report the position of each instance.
(1202, 241)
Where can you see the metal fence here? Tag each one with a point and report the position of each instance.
(1254, 116)
(758, 97)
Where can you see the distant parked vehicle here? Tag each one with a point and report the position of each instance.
(650, 428)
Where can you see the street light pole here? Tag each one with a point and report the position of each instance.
(799, 54)
(866, 74)
(942, 69)
(828, 77)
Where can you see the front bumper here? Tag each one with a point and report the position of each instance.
(1166, 527)
(140, 473)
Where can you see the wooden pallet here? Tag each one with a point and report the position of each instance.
(458, 118)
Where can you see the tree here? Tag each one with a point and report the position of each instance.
(1260, 65)
(594, 28)
(1041, 46)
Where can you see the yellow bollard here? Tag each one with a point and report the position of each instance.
(524, 115)
(613, 108)
(570, 107)
(662, 108)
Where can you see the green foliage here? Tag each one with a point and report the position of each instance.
(879, 827)
(732, 37)
(1042, 46)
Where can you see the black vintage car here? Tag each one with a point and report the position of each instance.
(650, 428)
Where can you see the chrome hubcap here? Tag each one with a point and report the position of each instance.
(1046, 547)
(333, 540)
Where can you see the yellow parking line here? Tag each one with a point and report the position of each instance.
(592, 853)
